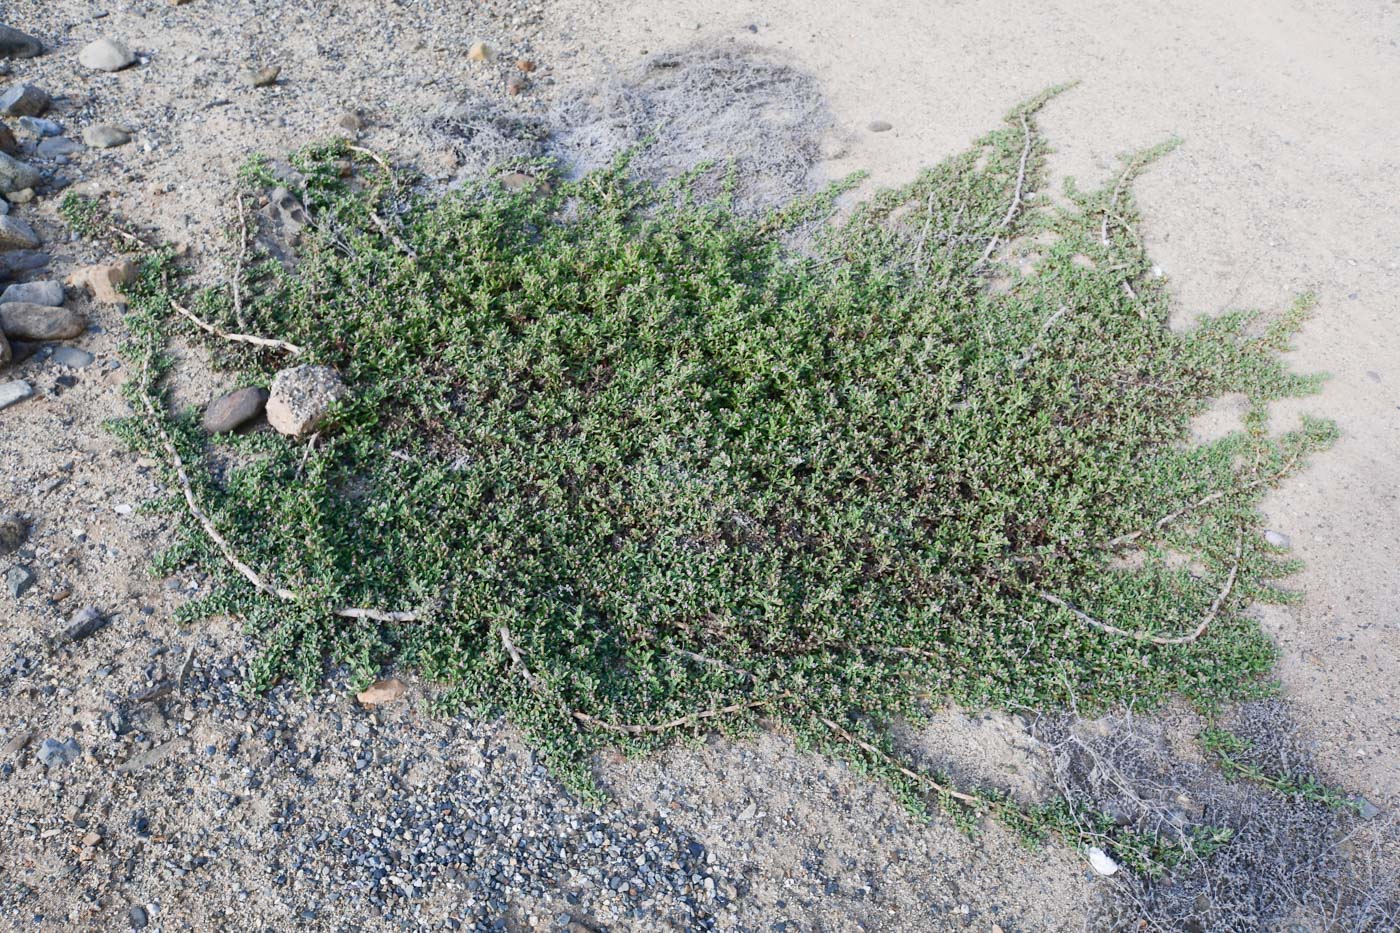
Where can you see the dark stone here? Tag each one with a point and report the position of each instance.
(85, 622)
(25, 100)
(229, 411)
(16, 44)
(13, 531)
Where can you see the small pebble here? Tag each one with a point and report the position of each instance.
(53, 753)
(105, 136)
(265, 76)
(72, 357)
(18, 580)
(12, 393)
(880, 126)
(106, 55)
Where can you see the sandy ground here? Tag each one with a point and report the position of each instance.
(1287, 182)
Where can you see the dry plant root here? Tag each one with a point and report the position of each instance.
(1187, 639)
(208, 328)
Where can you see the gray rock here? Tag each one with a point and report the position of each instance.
(57, 146)
(24, 100)
(136, 916)
(16, 263)
(15, 233)
(12, 393)
(15, 44)
(301, 396)
(1366, 809)
(72, 357)
(49, 294)
(13, 531)
(23, 321)
(105, 136)
(15, 175)
(1278, 539)
(880, 126)
(7, 352)
(229, 411)
(54, 753)
(287, 212)
(18, 580)
(38, 126)
(85, 622)
(106, 55)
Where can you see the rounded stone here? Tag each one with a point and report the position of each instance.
(34, 293)
(23, 321)
(227, 412)
(16, 44)
(105, 136)
(106, 55)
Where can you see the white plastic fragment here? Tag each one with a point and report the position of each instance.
(1101, 862)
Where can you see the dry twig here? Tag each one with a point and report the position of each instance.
(1159, 639)
(237, 338)
(1165, 520)
(1015, 197)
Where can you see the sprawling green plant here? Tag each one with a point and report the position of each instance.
(639, 468)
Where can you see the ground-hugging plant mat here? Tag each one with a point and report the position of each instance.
(619, 463)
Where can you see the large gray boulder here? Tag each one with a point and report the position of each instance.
(34, 293)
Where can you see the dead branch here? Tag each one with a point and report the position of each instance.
(373, 214)
(238, 263)
(1025, 358)
(237, 338)
(913, 775)
(633, 729)
(1165, 520)
(1159, 639)
(1015, 197)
